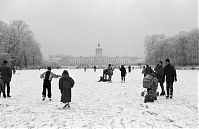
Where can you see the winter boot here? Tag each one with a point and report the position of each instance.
(8, 95)
(171, 96)
(66, 105)
(43, 98)
(167, 96)
(4, 95)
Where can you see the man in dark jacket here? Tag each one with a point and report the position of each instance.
(6, 72)
(159, 69)
(170, 73)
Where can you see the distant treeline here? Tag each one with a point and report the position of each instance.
(18, 45)
(182, 49)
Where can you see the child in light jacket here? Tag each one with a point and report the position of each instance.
(47, 77)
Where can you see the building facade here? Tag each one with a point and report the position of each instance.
(98, 60)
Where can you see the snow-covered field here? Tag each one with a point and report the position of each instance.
(99, 104)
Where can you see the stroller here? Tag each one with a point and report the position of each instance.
(150, 82)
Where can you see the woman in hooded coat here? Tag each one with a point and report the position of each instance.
(65, 85)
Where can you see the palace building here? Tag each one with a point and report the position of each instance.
(98, 59)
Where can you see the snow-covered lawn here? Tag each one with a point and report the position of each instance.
(99, 104)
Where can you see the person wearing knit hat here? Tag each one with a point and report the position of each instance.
(159, 69)
(171, 76)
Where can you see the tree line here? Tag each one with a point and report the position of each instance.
(18, 45)
(182, 49)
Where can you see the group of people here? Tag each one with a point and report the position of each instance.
(161, 72)
(65, 84)
(107, 72)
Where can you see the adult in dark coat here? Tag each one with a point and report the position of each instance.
(65, 85)
(170, 73)
(6, 72)
(159, 69)
(123, 73)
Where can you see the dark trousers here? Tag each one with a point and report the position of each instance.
(169, 88)
(109, 77)
(7, 84)
(46, 86)
(123, 78)
(162, 86)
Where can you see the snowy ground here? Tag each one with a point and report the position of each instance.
(99, 104)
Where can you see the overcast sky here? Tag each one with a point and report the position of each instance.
(74, 27)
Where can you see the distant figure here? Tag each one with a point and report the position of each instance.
(65, 85)
(47, 77)
(123, 73)
(109, 72)
(129, 68)
(95, 68)
(159, 69)
(6, 73)
(170, 73)
(2, 87)
(85, 69)
(144, 71)
(13, 69)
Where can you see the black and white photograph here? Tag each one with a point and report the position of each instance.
(99, 64)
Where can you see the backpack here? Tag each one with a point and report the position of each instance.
(147, 81)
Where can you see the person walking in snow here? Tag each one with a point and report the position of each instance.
(171, 76)
(6, 73)
(47, 77)
(159, 69)
(123, 73)
(144, 71)
(94, 68)
(65, 85)
(129, 68)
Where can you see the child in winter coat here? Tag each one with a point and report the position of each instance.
(123, 73)
(47, 76)
(2, 87)
(65, 85)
